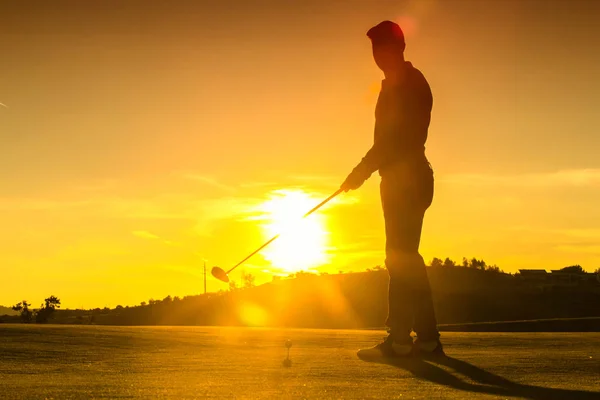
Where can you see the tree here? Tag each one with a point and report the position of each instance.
(168, 299)
(436, 263)
(493, 268)
(574, 269)
(47, 309)
(248, 280)
(597, 271)
(26, 313)
(448, 263)
(143, 303)
(52, 302)
(465, 262)
(477, 264)
(232, 286)
(303, 274)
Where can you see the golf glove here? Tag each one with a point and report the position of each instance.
(357, 177)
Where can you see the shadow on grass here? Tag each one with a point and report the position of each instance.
(487, 382)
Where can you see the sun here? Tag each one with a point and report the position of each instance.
(303, 242)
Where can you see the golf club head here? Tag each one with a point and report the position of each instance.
(220, 274)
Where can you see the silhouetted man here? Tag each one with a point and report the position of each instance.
(402, 118)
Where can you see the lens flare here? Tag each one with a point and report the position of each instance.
(303, 242)
(253, 315)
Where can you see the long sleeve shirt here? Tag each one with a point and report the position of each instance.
(402, 117)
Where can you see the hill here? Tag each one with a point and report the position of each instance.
(356, 300)
(7, 311)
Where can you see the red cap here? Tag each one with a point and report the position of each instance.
(386, 32)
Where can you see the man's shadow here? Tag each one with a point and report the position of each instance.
(487, 382)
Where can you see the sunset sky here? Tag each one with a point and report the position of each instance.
(139, 138)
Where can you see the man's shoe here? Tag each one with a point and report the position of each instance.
(428, 348)
(389, 348)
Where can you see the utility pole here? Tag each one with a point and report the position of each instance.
(204, 276)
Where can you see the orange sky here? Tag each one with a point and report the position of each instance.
(141, 138)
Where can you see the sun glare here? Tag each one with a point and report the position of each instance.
(303, 241)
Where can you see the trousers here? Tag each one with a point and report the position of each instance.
(406, 193)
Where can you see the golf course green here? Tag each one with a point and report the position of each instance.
(68, 362)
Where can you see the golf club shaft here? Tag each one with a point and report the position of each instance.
(276, 236)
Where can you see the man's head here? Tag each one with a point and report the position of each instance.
(388, 45)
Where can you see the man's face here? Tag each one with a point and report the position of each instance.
(388, 56)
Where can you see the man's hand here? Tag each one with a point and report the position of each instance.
(357, 177)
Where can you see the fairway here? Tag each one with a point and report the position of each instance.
(64, 362)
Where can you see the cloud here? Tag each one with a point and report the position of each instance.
(97, 186)
(209, 180)
(586, 177)
(577, 233)
(259, 184)
(32, 204)
(316, 178)
(578, 241)
(591, 233)
(203, 215)
(145, 235)
(580, 248)
(151, 236)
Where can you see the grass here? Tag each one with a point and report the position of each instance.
(582, 324)
(64, 362)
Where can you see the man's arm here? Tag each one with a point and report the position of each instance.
(394, 142)
(382, 151)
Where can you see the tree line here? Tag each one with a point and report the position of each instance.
(468, 291)
(40, 315)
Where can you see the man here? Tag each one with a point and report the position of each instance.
(402, 117)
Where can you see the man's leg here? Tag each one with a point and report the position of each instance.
(408, 283)
(410, 302)
(403, 229)
(425, 323)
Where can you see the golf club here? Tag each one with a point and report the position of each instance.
(221, 275)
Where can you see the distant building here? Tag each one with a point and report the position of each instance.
(572, 278)
(558, 277)
(534, 275)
